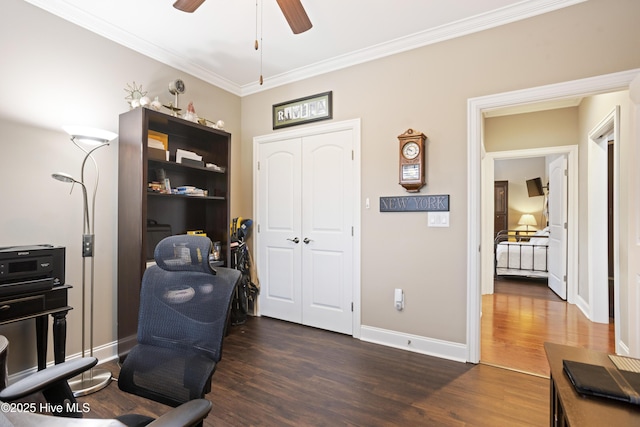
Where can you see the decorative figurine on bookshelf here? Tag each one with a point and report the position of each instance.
(134, 94)
(175, 110)
(191, 113)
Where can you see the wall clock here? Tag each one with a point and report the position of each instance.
(412, 160)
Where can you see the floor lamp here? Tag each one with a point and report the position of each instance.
(88, 140)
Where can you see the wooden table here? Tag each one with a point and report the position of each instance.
(39, 305)
(569, 408)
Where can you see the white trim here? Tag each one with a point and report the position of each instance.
(475, 107)
(354, 126)
(633, 222)
(508, 14)
(582, 305)
(496, 18)
(104, 353)
(597, 271)
(417, 344)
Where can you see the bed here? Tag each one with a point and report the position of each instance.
(519, 255)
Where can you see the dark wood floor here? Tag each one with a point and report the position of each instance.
(521, 315)
(275, 373)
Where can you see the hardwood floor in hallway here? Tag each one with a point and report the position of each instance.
(522, 315)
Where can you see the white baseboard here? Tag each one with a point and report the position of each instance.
(104, 353)
(417, 344)
(583, 306)
(623, 349)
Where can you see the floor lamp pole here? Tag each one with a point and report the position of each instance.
(96, 378)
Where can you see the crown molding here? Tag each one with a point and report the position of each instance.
(496, 18)
(519, 11)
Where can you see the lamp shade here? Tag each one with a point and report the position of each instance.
(527, 219)
(90, 135)
(64, 177)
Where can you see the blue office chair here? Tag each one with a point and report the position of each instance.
(52, 384)
(184, 311)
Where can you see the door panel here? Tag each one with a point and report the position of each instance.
(279, 213)
(500, 206)
(305, 191)
(557, 259)
(327, 219)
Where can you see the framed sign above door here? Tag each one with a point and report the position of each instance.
(303, 110)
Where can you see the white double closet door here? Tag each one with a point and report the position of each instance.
(305, 223)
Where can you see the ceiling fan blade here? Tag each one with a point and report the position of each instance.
(187, 5)
(295, 14)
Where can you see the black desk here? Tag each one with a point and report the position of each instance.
(38, 306)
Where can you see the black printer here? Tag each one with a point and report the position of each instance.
(35, 268)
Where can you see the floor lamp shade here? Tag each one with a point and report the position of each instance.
(88, 140)
(88, 135)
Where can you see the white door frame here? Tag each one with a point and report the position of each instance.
(488, 166)
(597, 308)
(354, 126)
(475, 108)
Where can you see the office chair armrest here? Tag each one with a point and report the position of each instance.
(41, 380)
(187, 414)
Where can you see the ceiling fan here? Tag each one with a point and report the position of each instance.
(292, 10)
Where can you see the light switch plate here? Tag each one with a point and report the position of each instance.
(438, 219)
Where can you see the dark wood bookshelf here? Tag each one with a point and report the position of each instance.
(136, 204)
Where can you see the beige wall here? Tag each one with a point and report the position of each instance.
(427, 89)
(55, 73)
(516, 172)
(540, 129)
(548, 128)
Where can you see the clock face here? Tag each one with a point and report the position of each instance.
(410, 150)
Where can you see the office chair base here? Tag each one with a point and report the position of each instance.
(89, 382)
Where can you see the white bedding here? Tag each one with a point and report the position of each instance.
(522, 258)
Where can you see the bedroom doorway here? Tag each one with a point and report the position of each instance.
(519, 313)
(476, 242)
(546, 155)
(595, 304)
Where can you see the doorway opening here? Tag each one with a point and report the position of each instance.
(518, 313)
(476, 106)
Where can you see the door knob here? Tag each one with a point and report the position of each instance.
(294, 240)
(307, 240)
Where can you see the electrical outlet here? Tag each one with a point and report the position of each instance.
(398, 299)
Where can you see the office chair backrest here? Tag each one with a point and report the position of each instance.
(184, 252)
(183, 302)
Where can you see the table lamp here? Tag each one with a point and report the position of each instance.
(527, 220)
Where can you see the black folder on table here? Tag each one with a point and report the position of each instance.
(609, 382)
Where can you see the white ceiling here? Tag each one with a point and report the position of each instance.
(216, 42)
